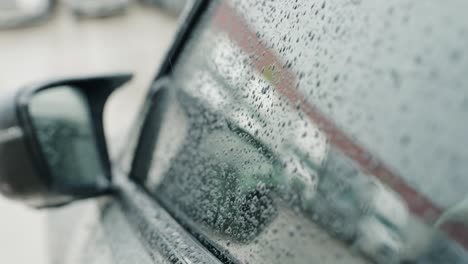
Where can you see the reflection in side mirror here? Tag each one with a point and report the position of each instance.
(62, 124)
(52, 145)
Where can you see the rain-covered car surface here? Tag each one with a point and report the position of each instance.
(319, 131)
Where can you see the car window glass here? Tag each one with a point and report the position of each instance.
(321, 132)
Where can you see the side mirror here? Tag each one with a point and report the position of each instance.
(52, 145)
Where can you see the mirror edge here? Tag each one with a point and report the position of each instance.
(31, 182)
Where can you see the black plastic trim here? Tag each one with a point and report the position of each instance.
(156, 97)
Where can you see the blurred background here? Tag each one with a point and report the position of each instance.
(49, 39)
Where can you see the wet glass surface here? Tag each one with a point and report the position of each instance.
(321, 132)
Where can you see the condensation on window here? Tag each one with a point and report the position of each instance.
(321, 132)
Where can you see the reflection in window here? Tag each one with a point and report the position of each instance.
(313, 132)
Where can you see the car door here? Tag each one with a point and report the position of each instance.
(314, 131)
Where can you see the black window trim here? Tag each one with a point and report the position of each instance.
(155, 98)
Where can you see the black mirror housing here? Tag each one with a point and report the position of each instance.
(25, 173)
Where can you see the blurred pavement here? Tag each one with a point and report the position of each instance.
(63, 47)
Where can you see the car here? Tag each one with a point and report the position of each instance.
(100, 8)
(274, 132)
(15, 13)
(173, 7)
